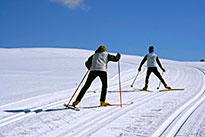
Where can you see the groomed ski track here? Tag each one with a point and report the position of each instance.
(151, 114)
(172, 126)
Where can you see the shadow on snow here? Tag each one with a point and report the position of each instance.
(36, 111)
(59, 109)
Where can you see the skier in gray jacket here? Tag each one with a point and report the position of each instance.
(152, 61)
(97, 64)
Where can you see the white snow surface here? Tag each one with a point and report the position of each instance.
(36, 82)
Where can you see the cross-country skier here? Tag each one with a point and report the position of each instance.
(97, 64)
(152, 61)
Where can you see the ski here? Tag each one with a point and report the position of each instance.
(142, 90)
(110, 105)
(119, 104)
(72, 107)
(78, 108)
(170, 89)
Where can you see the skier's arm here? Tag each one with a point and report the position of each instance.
(114, 58)
(160, 65)
(143, 61)
(88, 63)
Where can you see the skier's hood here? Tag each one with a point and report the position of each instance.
(102, 48)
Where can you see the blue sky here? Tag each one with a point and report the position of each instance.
(175, 27)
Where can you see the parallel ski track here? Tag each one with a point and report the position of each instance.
(172, 126)
(88, 127)
(44, 95)
(15, 117)
(107, 116)
(21, 115)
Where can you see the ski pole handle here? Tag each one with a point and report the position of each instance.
(77, 88)
(134, 79)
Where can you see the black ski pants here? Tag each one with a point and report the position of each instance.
(92, 75)
(156, 72)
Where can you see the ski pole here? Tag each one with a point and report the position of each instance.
(134, 79)
(77, 88)
(120, 84)
(160, 81)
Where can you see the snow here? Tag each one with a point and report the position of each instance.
(36, 82)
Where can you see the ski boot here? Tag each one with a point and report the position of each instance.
(103, 103)
(167, 87)
(145, 87)
(75, 103)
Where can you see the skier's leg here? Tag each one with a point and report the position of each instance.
(149, 71)
(103, 78)
(92, 75)
(156, 72)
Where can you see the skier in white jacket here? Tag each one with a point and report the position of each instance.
(97, 64)
(152, 61)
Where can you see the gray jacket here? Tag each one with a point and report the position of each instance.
(99, 60)
(152, 61)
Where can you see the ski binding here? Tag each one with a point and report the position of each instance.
(71, 107)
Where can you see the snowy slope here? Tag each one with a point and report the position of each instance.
(35, 83)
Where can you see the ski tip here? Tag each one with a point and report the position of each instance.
(126, 104)
(170, 89)
(145, 90)
(65, 105)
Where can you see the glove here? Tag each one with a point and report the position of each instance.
(163, 69)
(139, 69)
(118, 55)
